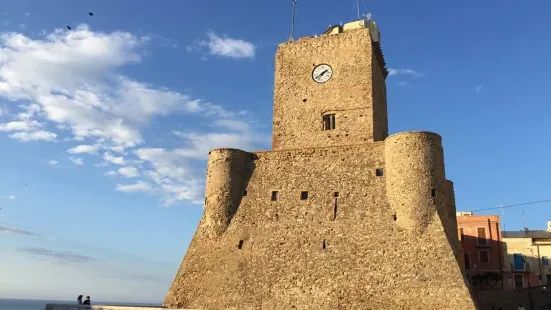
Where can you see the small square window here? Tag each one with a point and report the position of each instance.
(329, 121)
(484, 256)
(303, 195)
(336, 194)
(379, 172)
(245, 193)
(275, 195)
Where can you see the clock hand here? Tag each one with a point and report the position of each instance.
(317, 77)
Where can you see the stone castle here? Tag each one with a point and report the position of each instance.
(339, 215)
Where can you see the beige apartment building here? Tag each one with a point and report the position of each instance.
(526, 257)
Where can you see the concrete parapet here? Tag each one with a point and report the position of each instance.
(415, 175)
(227, 174)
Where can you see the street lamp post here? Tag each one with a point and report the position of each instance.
(529, 286)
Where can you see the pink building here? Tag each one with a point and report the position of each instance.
(482, 249)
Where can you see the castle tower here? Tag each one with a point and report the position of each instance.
(339, 215)
(331, 90)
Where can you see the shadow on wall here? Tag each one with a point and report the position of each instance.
(228, 174)
(502, 279)
(245, 177)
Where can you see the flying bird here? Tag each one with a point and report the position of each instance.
(68, 27)
(91, 14)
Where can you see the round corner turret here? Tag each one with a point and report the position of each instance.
(223, 151)
(415, 133)
(227, 174)
(415, 177)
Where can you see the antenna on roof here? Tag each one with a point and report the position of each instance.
(524, 221)
(291, 37)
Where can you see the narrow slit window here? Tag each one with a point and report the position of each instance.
(245, 193)
(379, 172)
(240, 245)
(433, 192)
(323, 245)
(329, 121)
(275, 195)
(303, 195)
(335, 209)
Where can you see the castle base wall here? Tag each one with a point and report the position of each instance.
(327, 239)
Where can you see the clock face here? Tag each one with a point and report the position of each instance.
(322, 73)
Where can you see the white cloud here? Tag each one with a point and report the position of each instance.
(22, 125)
(76, 161)
(34, 136)
(232, 124)
(70, 83)
(117, 160)
(478, 89)
(139, 186)
(4, 111)
(117, 149)
(90, 149)
(27, 14)
(176, 173)
(225, 46)
(410, 72)
(199, 144)
(8, 197)
(129, 172)
(70, 78)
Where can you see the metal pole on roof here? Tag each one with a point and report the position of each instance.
(291, 37)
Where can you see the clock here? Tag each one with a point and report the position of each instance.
(322, 73)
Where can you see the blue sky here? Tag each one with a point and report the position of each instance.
(104, 129)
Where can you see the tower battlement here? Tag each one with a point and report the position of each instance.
(339, 215)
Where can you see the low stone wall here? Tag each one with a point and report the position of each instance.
(102, 307)
(510, 299)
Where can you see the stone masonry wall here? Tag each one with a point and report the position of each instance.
(300, 102)
(343, 247)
